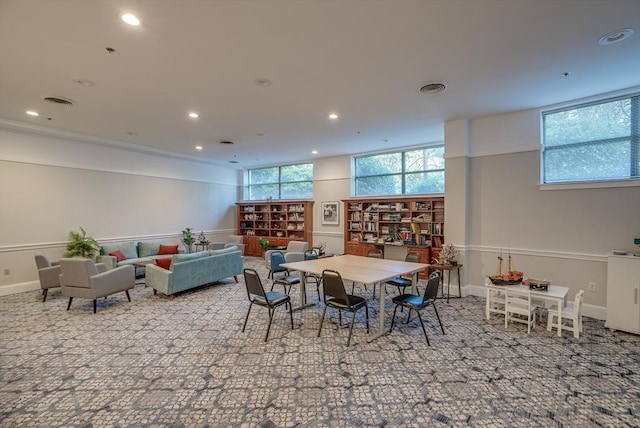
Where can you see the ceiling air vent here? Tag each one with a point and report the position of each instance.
(60, 101)
(433, 88)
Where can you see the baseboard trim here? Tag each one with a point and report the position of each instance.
(21, 287)
(591, 311)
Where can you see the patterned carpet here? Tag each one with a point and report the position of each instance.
(157, 363)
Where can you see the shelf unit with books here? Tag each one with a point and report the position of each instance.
(415, 222)
(278, 221)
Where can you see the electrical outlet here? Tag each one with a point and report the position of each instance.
(6, 272)
(592, 286)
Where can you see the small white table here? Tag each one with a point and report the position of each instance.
(555, 293)
(366, 270)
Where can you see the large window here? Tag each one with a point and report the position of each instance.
(281, 182)
(595, 141)
(416, 171)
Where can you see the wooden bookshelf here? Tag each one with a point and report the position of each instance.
(277, 221)
(416, 223)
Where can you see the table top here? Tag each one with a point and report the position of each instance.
(367, 270)
(552, 292)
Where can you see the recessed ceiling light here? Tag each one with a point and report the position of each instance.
(314, 152)
(198, 147)
(33, 113)
(226, 142)
(193, 115)
(233, 161)
(131, 19)
(615, 36)
(333, 116)
(262, 82)
(84, 82)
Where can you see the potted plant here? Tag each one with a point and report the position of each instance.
(81, 245)
(187, 238)
(264, 244)
(449, 255)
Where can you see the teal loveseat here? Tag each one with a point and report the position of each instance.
(193, 270)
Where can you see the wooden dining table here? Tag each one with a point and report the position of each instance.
(365, 270)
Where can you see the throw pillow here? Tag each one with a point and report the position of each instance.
(119, 255)
(164, 263)
(168, 249)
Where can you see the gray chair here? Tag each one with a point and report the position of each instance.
(83, 278)
(268, 299)
(293, 253)
(48, 273)
(336, 296)
(417, 303)
(232, 241)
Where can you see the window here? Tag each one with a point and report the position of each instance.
(281, 182)
(595, 141)
(416, 171)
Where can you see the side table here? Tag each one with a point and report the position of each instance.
(448, 269)
(204, 245)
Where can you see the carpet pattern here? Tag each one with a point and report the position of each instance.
(186, 363)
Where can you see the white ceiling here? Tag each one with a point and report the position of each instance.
(364, 60)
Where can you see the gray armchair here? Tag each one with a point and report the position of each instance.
(293, 253)
(86, 279)
(48, 273)
(233, 241)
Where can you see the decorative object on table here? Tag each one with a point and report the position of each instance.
(320, 246)
(330, 213)
(449, 255)
(187, 238)
(202, 238)
(506, 275)
(536, 284)
(81, 245)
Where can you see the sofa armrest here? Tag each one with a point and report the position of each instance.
(110, 261)
(114, 280)
(158, 278)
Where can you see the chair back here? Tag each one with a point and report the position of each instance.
(42, 261)
(297, 246)
(376, 254)
(77, 272)
(334, 286)
(253, 283)
(433, 283)
(577, 303)
(310, 254)
(277, 257)
(235, 239)
(412, 258)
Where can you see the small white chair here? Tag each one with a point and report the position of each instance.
(495, 300)
(518, 302)
(573, 312)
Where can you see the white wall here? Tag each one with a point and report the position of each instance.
(50, 185)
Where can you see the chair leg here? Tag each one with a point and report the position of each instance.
(408, 315)
(127, 292)
(271, 311)
(353, 321)
(393, 318)
(69, 305)
(322, 319)
(438, 316)
(247, 317)
(291, 314)
(95, 305)
(366, 313)
(423, 329)
(44, 294)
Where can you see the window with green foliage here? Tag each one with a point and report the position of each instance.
(594, 141)
(416, 171)
(281, 182)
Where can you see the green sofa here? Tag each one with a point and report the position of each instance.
(193, 270)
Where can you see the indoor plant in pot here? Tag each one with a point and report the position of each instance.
(81, 245)
(187, 238)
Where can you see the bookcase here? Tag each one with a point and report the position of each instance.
(416, 223)
(278, 221)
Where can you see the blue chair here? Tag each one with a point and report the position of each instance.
(277, 258)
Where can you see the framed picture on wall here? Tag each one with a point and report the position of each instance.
(330, 212)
